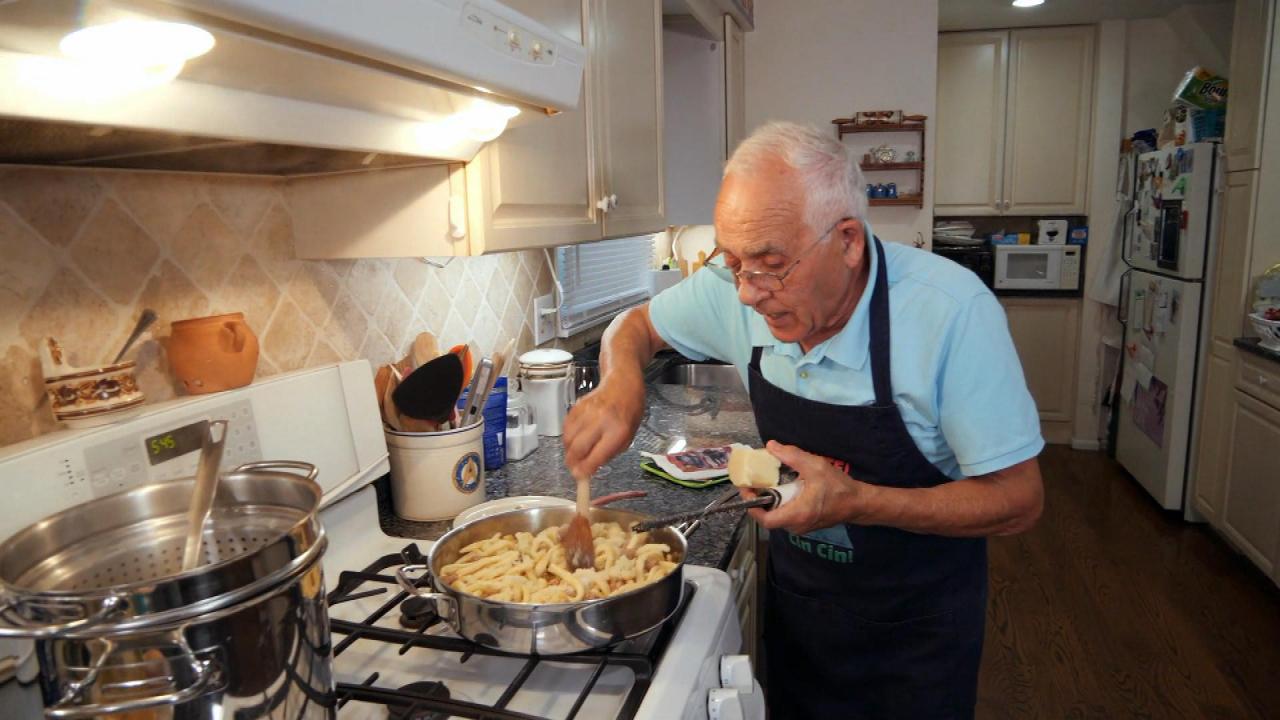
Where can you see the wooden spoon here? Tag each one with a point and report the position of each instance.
(206, 486)
(424, 349)
(579, 548)
(391, 415)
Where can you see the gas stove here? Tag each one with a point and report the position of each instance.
(392, 659)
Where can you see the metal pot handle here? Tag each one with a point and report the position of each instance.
(446, 606)
(205, 672)
(311, 471)
(11, 626)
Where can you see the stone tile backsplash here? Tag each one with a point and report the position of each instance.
(83, 252)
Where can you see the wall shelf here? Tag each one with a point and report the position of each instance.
(913, 200)
(873, 167)
(846, 126)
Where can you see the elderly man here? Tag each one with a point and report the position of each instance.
(887, 378)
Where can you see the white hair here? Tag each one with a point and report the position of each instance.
(833, 182)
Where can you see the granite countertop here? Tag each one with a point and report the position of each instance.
(703, 417)
(1253, 345)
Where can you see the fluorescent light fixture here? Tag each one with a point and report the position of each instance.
(1027, 3)
(485, 120)
(113, 60)
(480, 122)
(137, 43)
(84, 82)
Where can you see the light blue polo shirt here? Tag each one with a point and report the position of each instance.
(956, 376)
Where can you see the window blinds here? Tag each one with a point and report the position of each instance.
(601, 279)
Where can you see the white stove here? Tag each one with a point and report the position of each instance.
(328, 416)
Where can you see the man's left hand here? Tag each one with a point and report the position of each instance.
(827, 496)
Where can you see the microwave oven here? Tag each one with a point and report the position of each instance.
(1037, 267)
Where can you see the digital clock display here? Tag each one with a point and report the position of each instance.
(175, 443)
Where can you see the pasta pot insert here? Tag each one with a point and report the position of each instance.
(547, 629)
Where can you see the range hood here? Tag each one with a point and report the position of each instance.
(289, 87)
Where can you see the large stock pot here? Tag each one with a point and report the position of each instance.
(120, 628)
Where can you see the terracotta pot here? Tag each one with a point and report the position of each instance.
(212, 354)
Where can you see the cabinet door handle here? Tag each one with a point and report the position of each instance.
(603, 204)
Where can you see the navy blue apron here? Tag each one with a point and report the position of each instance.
(867, 622)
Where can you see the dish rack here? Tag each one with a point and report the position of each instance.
(1268, 331)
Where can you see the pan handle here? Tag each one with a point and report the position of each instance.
(446, 607)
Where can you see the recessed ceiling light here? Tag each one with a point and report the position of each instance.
(1027, 3)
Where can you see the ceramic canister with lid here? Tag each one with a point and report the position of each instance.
(546, 379)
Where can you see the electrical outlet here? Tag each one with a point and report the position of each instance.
(544, 318)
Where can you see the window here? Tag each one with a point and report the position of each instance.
(598, 280)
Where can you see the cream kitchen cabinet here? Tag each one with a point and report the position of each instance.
(1236, 486)
(1264, 251)
(591, 173)
(1045, 333)
(1213, 431)
(735, 86)
(744, 579)
(1014, 111)
(1234, 250)
(1251, 507)
(973, 77)
(1249, 71)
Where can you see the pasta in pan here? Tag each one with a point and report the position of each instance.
(528, 568)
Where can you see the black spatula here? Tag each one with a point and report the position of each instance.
(429, 393)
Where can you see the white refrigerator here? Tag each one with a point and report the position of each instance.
(1168, 247)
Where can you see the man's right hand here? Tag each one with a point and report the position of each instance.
(603, 423)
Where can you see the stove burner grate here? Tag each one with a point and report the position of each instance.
(427, 700)
(427, 689)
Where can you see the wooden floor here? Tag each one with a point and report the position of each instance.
(1111, 608)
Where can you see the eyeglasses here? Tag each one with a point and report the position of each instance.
(761, 280)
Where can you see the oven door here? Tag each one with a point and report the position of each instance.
(1028, 267)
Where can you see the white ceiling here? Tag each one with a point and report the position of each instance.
(978, 14)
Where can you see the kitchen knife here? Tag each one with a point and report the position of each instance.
(769, 498)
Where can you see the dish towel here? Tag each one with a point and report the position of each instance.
(1105, 286)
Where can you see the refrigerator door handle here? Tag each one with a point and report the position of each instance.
(1122, 312)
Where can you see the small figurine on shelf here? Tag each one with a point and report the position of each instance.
(884, 154)
(911, 156)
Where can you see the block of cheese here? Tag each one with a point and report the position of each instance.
(753, 467)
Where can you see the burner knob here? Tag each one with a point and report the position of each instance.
(724, 705)
(736, 673)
